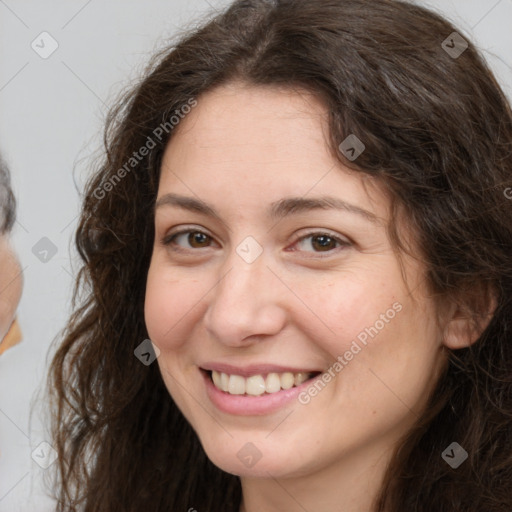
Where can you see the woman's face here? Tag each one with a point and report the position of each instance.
(261, 282)
(10, 287)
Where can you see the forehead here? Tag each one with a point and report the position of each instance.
(262, 138)
(253, 116)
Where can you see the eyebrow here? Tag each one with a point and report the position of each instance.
(278, 210)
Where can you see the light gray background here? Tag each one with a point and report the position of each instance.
(52, 113)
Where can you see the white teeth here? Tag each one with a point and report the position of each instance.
(236, 385)
(216, 379)
(287, 380)
(257, 384)
(224, 381)
(273, 383)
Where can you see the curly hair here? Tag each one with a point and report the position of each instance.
(438, 134)
(7, 200)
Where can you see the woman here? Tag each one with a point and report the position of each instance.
(302, 207)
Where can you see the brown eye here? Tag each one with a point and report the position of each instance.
(323, 242)
(187, 239)
(197, 239)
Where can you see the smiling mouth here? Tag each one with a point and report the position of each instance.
(257, 385)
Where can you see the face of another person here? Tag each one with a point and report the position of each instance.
(260, 295)
(10, 293)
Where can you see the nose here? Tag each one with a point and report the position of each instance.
(247, 304)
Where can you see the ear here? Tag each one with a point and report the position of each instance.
(468, 315)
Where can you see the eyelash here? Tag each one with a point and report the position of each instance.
(168, 241)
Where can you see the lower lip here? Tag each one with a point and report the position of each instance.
(244, 405)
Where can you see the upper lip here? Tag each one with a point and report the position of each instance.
(255, 369)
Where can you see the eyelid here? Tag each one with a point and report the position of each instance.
(169, 237)
(342, 241)
(320, 231)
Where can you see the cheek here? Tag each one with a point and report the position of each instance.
(344, 308)
(165, 303)
(171, 306)
(6, 316)
(11, 284)
(391, 363)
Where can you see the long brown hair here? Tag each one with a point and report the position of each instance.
(438, 135)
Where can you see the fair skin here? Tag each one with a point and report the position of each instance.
(10, 287)
(241, 149)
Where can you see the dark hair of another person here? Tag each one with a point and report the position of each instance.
(7, 200)
(438, 137)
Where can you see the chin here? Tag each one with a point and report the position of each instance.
(245, 459)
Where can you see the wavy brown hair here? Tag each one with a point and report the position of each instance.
(438, 135)
(7, 200)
